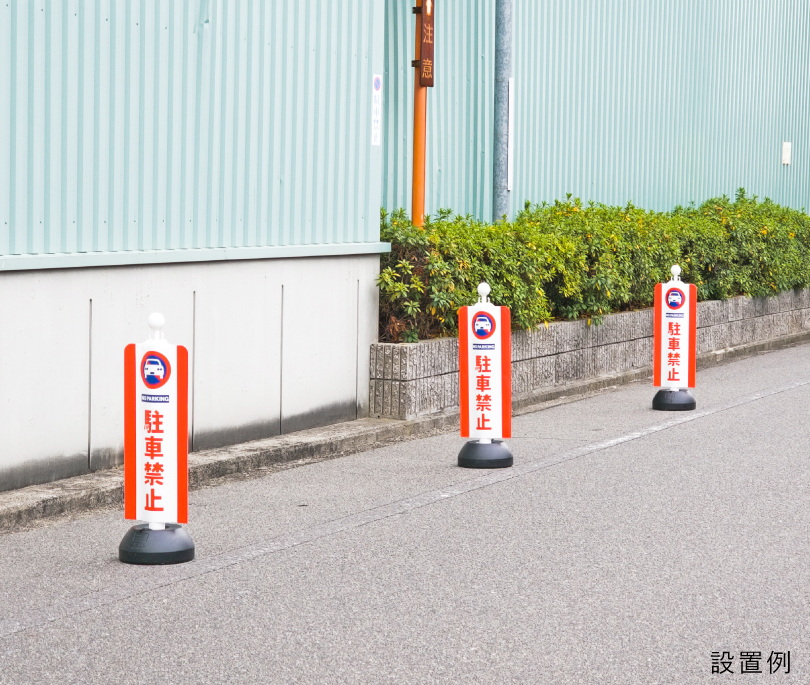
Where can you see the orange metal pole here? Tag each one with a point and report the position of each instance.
(419, 129)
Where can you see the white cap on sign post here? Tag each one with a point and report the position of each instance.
(676, 272)
(156, 322)
(483, 291)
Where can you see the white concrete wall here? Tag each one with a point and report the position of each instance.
(275, 345)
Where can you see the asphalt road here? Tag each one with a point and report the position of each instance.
(625, 546)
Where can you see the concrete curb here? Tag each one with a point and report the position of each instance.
(19, 508)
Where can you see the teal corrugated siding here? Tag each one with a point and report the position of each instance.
(460, 107)
(661, 103)
(145, 125)
(129, 125)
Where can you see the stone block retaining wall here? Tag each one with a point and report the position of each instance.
(415, 379)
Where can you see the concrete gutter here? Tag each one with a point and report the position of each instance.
(20, 508)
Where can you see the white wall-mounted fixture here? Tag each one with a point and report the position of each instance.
(785, 153)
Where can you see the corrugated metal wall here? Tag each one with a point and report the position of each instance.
(460, 107)
(142, 125)
(661, 103)
(138, 125)
(655, 103)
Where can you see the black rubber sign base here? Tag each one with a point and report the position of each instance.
(479, 455)
(140, 545)
(674, 400)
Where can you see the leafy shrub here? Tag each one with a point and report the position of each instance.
(567, 261)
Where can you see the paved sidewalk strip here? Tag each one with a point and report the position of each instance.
(26, 620)
(105, 488)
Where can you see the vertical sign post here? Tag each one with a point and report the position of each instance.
(675, 342)
(485, 383)
(422, 79)
(156, 450)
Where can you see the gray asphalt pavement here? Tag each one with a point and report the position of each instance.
(625, 546)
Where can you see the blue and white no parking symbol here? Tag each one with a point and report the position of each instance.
(483, 325)
(155, 370)
(675, 298)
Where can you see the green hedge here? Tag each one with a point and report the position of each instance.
(569, 260)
